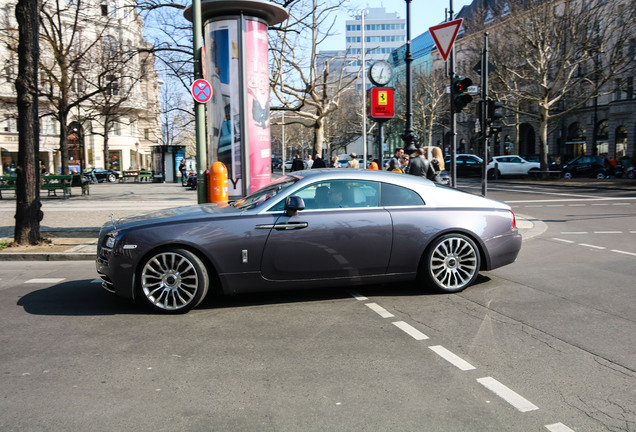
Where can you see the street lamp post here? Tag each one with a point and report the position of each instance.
(409, 137)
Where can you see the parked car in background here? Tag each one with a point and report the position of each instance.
(552, 164)
(313, 228)
(585, 166)
(468, 165)
(102, 175)
(511, 165)
(276, 164)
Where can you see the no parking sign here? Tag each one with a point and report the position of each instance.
(201, 91)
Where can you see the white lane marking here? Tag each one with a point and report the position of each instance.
(600, 204)
(358, 296)
(577, 205)
(555, 205)
(410, 330)
(632, 232)
(574, 232)
(591, 246)
(513, 398)
(562, 240)
(45, 280)
(608, 232)
(622, 204)
(453, 359)
(558, 427)
(623, 252)
(379, 310)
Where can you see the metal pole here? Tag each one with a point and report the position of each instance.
(484, 109)
(202, 154)
(364, 96)
(283, 141)
(451, 73)
(409, 137)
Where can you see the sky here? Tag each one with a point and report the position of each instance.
(424, 14)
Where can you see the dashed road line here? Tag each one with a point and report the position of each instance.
(562, 240)
(45, 280)
(453, 359)
(623, 252)
(379, 310)
(359, 297)
(592, 246)
(513, 398)
(410, 330)
(558, 427)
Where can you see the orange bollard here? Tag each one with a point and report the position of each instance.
(217, 183)
(373, 165)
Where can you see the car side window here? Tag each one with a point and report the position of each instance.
(394, 196)
(335, 194)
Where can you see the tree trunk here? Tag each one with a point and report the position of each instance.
(28, 206)
(319, 137)
(543, 138)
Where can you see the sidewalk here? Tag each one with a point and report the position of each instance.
(72, 225)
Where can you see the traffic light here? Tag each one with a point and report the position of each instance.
(492, 112)
(461, 98)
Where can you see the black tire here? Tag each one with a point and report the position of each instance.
(451, 263)
(630, 175)
(567, 175)
(600, 175)
(491, 174)
(173, 281)
(112, 178)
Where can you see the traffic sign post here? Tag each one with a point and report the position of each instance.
(201, 91)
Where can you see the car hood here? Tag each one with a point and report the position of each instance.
(173, 215)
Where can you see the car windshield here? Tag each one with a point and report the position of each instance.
(266, 193)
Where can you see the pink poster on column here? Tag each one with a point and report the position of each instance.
(257, 75)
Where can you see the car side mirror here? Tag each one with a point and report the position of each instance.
(293, 204)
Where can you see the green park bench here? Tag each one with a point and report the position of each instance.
(145, 175)
(7, 183)
(130, 174)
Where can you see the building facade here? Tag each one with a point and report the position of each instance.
(112, 90)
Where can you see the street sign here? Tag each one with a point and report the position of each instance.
(444, 36)
(380, 103)
(201, 91)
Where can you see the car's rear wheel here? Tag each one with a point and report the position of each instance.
(630, 174)
(492, 173)
(451, 263)
(600, 175)
(173, 281)
(567, 175)
(112, 178)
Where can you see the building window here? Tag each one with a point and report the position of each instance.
(112, 85)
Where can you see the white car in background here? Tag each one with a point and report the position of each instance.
(511, 165)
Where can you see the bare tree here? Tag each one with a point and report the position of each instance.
(28, 214)
(298, 81)
(553, 58)
(429, 102)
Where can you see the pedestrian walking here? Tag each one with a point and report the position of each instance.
(319, 162)
(297, 164)
(353, 163)
(420, 166)
(396, 161)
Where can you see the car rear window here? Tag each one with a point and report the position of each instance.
(394, 196)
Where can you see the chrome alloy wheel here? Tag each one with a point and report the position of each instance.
(174, 281)
(453, 263)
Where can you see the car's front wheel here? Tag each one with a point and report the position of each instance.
(112, 178)
(451, 263)
(567, 175)
(600, 175)
(173, 281)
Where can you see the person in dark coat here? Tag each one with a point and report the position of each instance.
(420, 166)
(297, 164)
(319, 162)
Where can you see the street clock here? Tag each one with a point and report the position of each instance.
(380, 73)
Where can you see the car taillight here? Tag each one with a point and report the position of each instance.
(514, 220)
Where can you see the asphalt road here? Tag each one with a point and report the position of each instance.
(546, 343)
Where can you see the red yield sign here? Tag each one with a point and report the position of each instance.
(201, 91)
(444, 36)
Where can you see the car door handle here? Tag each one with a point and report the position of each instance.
(284, 226)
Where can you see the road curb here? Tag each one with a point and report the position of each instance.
(46, 256)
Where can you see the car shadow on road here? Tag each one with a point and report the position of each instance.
(87, 298)
(77, 298)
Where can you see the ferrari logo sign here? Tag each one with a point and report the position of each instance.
(380, 103)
